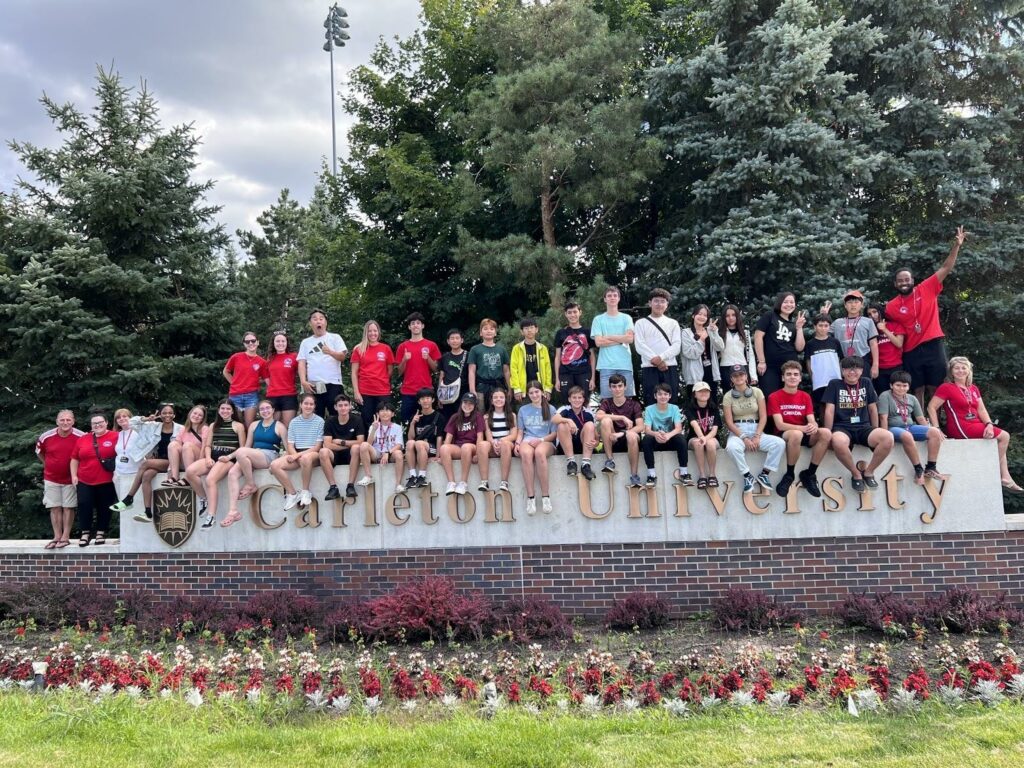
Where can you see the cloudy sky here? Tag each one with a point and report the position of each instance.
(250, 74)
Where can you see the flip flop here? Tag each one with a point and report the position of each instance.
(51, 544)
(233, 517)
(169, 482)
(182, 482)
(63, 543)
(1012, 486)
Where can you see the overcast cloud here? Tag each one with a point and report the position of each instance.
(250, 74)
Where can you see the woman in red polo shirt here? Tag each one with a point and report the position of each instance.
(94, 481)
(282, 367)
(243, 371)
(372, 364)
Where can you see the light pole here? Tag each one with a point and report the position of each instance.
(336, 36)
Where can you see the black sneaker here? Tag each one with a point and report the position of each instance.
(785, 482)
(870, 482)
(587, 471)
(857, 484)
(652, 481)
(810, 483)
(350, 491)
(571, 468)
(332, 493)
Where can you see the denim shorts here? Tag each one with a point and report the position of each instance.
(245, 400)
(919, 431)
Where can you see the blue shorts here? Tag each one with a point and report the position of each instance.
(244, 400)
(919, 431)
(627, 374)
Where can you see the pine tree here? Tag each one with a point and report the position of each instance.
(113, 291)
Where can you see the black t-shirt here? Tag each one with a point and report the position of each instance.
(454, 366)
(350, 430)
(707, 418)
(851, 402)
(531, 361)
(779, 338)
(430, 427)
(573, 345)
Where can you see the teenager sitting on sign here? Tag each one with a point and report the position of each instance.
(901, 413)
(792, 412)
(745, 418)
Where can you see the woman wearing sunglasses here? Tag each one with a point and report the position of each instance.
(243, 371)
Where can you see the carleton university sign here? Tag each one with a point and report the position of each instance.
(602, 511)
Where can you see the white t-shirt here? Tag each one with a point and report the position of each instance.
(125, 464)
(319, 365)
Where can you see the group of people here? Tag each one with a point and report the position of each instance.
(471, 405)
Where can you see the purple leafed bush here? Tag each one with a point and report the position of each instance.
(742, 608)
(640, 609)
(863, 610)
(430, 608)
(187, 614)
(533, 618)
(962, 609)
(284, 612)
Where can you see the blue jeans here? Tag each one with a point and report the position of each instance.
(919, 431)
(770, 444)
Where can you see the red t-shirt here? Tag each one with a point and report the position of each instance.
(55, 452)
(281, 370)
(247, 371)
(373, 369)
(90, 471)
(889, 355)
(961, 409)
(417, 373)
(471, 427)
(918, 310)
(794, 408)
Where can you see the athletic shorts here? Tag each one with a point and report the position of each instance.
(621, 445)
(919, 431)
(857, 435)
(926, 363)
(245, 400)
(344, 456)
(577, 445)
(284, 402)
(59, 495)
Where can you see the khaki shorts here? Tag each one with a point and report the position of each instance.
(57, 495)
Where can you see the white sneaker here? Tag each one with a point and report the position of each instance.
(400, 488)
(450, 489)
(545, 504)
(483, 486)
(305, 498)
(364, 481)
(531, 506)
(503, 486)
(461, 489)
(290, 500)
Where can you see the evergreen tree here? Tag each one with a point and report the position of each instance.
(113, 291)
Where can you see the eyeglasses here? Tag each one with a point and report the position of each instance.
(251, 341)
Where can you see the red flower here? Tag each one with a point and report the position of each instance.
(842, 684)
(648, 693)
(402, 686)
(592, 680)
(667, 682)
(918, 682)
(796, 695)
(369, 683)
(433, 688)
(514, 694)
(539, 686)
(878, 678)
(285, 684)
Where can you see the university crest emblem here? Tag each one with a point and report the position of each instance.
(174, 514)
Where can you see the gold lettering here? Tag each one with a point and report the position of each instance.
(718, 498)
(339, 511)
(935, 497)
(634, 502)
(370, 496)
(792, 506)
(491, 507)
(832, 488)
(682, 501)
(396, 503)
(866, 501)
(750, 500)
(309, 517)
(453, 507)
(256, 508)
(586, 507)
(427, 497)
(892, 488)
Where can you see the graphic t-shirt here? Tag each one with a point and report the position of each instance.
(851, 402)
(531, 421)
(706, 418)
(429, 427)
(854, 334)
(453, 367)
(282, 370)
(246, 370)
(466, 432)
(573, 347)
(918, 313)
(779, 338)
(387, 437)
(662, 421)
(530, 359)
(489, 362)
(618, 356)
(417, 373)
(743, 407)
(889, 355)
(56, 454)
(629, 408)
(373, 369)
(319, 365)
(351, 430)
(824, 356)
(961, 408)
(900, 412)
(793, 408)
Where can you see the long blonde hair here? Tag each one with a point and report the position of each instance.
(955, 361)
(362, 345)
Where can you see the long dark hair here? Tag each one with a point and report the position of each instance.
(696, 310)
(545, 407)
(510, 414)
(461, 418)
(218, 422)
(723, 326)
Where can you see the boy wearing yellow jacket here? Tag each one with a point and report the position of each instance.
(530, 362)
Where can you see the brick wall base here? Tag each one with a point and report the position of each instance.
(584, 579)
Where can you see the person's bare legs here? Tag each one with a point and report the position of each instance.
(466, 455)
(526, 452)
(698, 455)
(880, 441)
(540, 462)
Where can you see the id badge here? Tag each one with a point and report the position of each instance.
(855, 419)
(124, 459)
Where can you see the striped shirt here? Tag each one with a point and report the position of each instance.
(306, 433)
(500, 427)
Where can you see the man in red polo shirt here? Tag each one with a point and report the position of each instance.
(54, 448)
(417, 360)
(916, 308)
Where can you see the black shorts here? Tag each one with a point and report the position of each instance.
(577, 446)
(284, 402)
(926, 363)
(858, 435)
(621, 445)
(344, 456)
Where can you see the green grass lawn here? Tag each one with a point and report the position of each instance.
(58, 730)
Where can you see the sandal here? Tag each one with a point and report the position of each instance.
(246, 492)
(182, 482)
(233, 517)
(712, 482)
(99, 538)
(169, 482)
(63, 543)
(702, 483)
(52, 544)
(84, 541)
(1010, 485)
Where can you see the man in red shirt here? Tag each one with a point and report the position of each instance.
(417, 361)
(916, 308)
(54, 448)
(792, 411)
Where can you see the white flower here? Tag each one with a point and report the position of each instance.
(1016, 686)
(532, 708)
(372, 705)
(166, 693)
(562, 704)
(710, 702)
(86, 686)
(778, 700)
(591, 704)
(951, 696)
(224, 696)
(253, 695)
(410, 705)
(316, 700)
(450, 700)
(867, 699)
(26, 685)
(341, 704)
(194, 698)
(676, 707)
(743, 699)
(987, 692)
(133, 691)
(629, 705)
(6, 684)
(903, 700)
(490, 691)
(107, 689)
